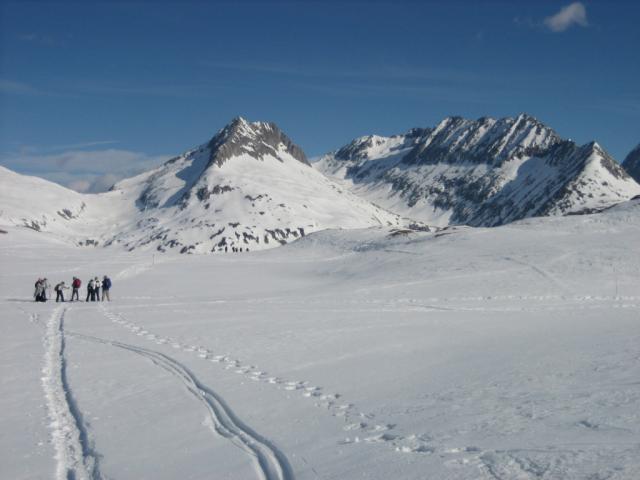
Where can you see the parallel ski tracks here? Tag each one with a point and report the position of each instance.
(269, 462)
(75, 458)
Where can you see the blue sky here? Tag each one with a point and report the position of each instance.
(93, 91)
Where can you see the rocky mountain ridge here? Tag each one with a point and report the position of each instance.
(250, 187)
(483, 172)
(632, 163)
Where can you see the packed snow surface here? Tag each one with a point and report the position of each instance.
(503, 353)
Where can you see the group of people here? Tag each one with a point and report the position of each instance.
(95, 287)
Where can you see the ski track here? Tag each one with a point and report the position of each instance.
(434, 303)
(76, 461)
(364, 429)
(75, 458)
(540, 271)
(269, 462)
(362, 426)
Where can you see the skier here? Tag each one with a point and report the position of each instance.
(76, 287)
(106, 286)
(90, 291)
(59, 289)
(96, 288)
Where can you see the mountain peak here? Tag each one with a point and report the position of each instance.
(255, 139)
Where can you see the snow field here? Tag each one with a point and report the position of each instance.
(507, 353)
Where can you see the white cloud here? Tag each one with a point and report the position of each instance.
(83, 170)
(573, 14)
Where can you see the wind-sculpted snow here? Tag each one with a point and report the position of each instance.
(482, 173)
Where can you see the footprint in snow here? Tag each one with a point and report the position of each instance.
(383, 437)
(348, 441)
(383, 428)
(416, 449)
(355, 426)
(312, 392)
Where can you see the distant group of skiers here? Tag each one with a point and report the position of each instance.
(94, 288)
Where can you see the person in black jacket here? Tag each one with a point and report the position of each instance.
(91, 294)
(106, 286)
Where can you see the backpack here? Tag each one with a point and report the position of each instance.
(57, 287)
(106, 284)
(76, 283)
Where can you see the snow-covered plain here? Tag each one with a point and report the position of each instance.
(505, 353)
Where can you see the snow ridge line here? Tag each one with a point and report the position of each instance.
(75, 458)
(269, 462)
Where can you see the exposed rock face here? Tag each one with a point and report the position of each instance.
(483, 172)
(255, 139)
(632, 163)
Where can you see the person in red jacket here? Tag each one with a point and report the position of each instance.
(75, 285)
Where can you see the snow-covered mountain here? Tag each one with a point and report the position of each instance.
(483, 172)
(632, 163)
(249, 187)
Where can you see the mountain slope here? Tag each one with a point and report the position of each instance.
(485, 172)
(632, 163)
(249, 187)
(41, 205)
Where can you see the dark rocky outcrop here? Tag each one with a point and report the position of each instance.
(632, 163)
(256, 139)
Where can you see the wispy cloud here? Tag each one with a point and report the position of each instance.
(40, 39)
(386, 71)
(451, 94)
(33, 150)
(573, 14)
(82, 170)
(626, 106)
(76, 89)
(139, 90)
(10, 87)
